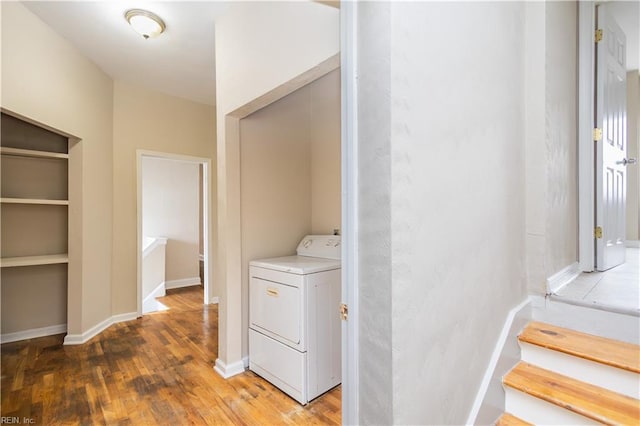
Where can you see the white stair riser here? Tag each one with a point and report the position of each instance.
(595, 373)
(540, 412)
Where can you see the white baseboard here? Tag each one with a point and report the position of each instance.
(78, 339)
(632, 243)
(33, 333)
(493, 362)
(214, 300)
(245, 361)
(230, 370)
(562, 278)
(184, 282)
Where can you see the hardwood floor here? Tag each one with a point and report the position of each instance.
(154, 370)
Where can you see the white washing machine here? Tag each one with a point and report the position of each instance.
(294, 319)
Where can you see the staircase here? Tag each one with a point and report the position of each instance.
(572, 378)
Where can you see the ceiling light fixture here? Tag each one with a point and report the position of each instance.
(145, 23)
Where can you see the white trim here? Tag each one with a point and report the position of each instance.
(349, 184)
(183, 282)
(129, 316)
(33, 333)
(563, 277)
(159, 291)
(493, 362)
(632, 244)
(206, 212)
(230, 370)
(78, 339)
(245, 362)
(214, 300)
(586, 171)
(157, 241)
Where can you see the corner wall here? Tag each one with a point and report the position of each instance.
(46, 79)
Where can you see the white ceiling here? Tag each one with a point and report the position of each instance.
(181, 62)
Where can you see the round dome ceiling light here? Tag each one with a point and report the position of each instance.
(145, 23)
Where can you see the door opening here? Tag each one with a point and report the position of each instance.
(611, 140)
(173, 227)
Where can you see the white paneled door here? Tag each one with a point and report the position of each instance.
(611, 118)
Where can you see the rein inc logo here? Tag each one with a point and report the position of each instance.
(17, 420)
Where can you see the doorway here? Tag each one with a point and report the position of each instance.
(173, 226)
(616, 288)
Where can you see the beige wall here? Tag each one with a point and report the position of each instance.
(325, 154)
(259, 47)
(148, 120)
(170, 209)
(290, 174)
(633, 151)
(48, 80)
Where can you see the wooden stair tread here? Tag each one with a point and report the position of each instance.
(594, 348)
(508, 419)
(591, 401)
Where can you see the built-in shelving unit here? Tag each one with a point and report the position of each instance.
(34, 203)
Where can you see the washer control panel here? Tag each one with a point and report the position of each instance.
(325, 246)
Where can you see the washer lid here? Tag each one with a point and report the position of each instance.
(300, 265)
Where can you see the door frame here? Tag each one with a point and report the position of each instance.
(586, 157)
(206, 217)
(349, 183)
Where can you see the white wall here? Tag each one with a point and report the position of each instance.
(561, 136)
(46, 79)
(551, 140)
(375, 343)
(633, 151)
(170, 209)
(445, 176)
(259, 46)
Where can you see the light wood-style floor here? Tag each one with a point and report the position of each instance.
(154, 370)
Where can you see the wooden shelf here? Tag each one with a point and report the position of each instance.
(34, 201)
(31, 153)
(50, 259)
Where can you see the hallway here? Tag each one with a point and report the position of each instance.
(617, 289)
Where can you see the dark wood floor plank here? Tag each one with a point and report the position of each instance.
(154, 370)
